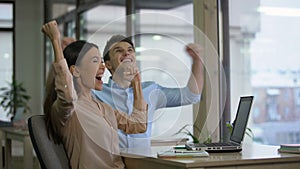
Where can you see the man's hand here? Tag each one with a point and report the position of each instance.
(195, 51)
(196, 80)
(126, 74)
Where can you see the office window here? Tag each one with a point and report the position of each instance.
(98, 29)
(168, 65)
(6, 15)
(6, 48)
(70, 26)
(102, 22)
(164, 34)
(297, 96)
(63, 7)
(167, 30)
(264, 55)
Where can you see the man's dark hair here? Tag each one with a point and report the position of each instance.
(111, 41)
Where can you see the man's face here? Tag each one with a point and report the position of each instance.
(121, 52)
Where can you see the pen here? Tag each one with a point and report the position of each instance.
(179, 147)
(188, 151)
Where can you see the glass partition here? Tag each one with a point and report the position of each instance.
(168, 66)
(100, 23)
(264, 62)
(59, 9)
(6, 15)
(6, 49)
(6, 55)
(162, 58)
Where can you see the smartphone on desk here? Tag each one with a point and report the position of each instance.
(182, 154)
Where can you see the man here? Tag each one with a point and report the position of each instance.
(66, 41)
(119, 58)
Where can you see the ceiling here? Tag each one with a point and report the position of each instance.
(140, 4)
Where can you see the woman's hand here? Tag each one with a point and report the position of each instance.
(51, 30)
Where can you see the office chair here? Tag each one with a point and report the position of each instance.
(50, 155)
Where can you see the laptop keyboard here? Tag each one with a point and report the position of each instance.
(218, 144)
(214, 144)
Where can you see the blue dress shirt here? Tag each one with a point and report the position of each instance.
(155, 95)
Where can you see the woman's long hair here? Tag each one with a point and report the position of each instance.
(73, 54)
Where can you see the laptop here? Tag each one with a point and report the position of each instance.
(238, 131)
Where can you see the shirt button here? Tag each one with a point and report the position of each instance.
(66, 86)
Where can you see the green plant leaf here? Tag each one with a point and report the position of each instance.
(248, 130)
(13, 97)
(183, 130)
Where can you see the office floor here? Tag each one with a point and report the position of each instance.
(17, 153)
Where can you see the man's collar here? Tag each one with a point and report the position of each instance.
(111, 81)
(113, 84)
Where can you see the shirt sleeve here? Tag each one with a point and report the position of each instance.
(172, 97)
(63, 106)
(134, 123)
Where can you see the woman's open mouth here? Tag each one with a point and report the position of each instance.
(99, 77)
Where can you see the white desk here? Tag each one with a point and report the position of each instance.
(168, 141)
(8, 134)
(253, 156)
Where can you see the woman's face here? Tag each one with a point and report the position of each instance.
(91, 69)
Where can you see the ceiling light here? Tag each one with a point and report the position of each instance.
(156, 37)
(279, 11)
(140, 49)
(6, 55)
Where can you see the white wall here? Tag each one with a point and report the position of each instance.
(29, 50)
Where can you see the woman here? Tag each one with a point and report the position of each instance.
(86, 127)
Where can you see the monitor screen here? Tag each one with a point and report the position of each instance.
(241, 119)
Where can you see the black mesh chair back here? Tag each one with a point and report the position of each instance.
(50, 155)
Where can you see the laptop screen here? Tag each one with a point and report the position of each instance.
(241, 119)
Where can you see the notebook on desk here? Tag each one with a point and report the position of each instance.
(238, 131)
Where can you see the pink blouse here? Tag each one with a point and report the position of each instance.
(88, 126)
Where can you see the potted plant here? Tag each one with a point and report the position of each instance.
(14, 98)
(184, 130)
(248, 130)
